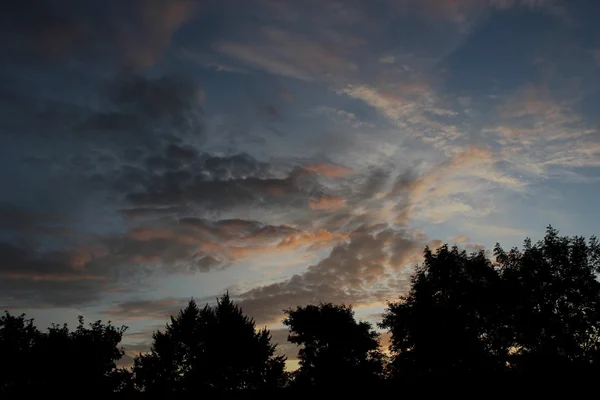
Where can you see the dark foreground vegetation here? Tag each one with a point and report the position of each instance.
(531, 316)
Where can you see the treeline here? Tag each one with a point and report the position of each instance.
(529, 316)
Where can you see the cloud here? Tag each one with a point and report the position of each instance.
(389, 59)
(463, 11)
(540, 134)
(460, 184)
(134, 35)
(343, 117)
(329, 170)
(460, 239)
(167, 206)
(159, 309)
(158, 21)
(178, 209)
(412, 106)
(466, 243)
(54, 277)
(188, 245)
(531, 100)
(524, 3)
(331, 203)
(280, 52)
(355, 272)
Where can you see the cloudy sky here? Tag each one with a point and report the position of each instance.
(287, 151)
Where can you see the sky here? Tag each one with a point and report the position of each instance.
(288, 152)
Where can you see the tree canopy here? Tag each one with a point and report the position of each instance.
(335, 347)
(216, 348)
(534, 311)
(552, 304)
(58, 360)
(448, 322)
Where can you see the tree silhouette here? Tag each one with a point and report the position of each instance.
(88, 353)
(533, 313)
(210, 349)
(18, 338)
(448, 324)
(553, 306)
(336, 349)
(58, 360)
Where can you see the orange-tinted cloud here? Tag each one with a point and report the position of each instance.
(315, 239)
(295, 241)
(144, 234)
(354, 273)
(84, 254)
(460, 239)
(330, 170)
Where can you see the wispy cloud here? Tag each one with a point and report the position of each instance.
(291, 55)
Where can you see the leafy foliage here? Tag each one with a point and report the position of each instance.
(18, 338)
(335, 347)
(448, 323)
(533, 312)
(213, 348)
(37, 362)
(552, 303)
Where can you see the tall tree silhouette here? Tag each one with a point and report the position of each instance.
(534, 312)
(336, 349)
(211, 349)
(449, 323)
(553, 304)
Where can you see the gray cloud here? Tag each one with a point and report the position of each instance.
(29, 277)
(140, 159)
(355, 272)
(130, 34)
(43, 264)
(160, 309)
(139, 162)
